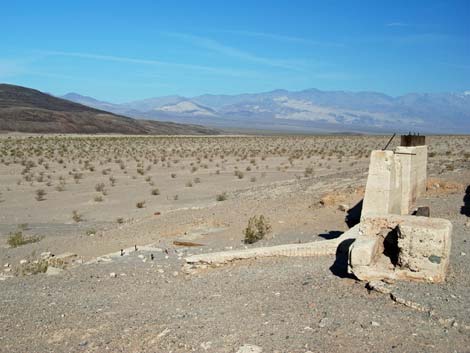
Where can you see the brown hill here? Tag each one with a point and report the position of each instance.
(27, 110)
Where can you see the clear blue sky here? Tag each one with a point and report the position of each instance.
(126, 50)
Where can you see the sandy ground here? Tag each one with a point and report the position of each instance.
(279, 304)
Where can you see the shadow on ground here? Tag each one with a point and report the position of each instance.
(333, 234)
(340, 266)
(465, 210)
(353, 215)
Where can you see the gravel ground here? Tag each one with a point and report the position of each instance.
(279, 304)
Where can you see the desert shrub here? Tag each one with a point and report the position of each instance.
(40, 194)
(257, 228)
(189, 184)
(308, 171)
(238, 174)
(120, 220)
(155, 192)
(32, 268)
(98, 198)
(77, 217)
(17, 239)
(222, 197)
(99, 187)
(140, 204)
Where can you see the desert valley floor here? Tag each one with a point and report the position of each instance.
(95, 195)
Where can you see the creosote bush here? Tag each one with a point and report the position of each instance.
(222, 197)
(257, 228)
(17, 239)
(40, 194)
(77, 217)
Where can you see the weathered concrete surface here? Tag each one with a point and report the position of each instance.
(316, 248)
(413, 161)
(395, 180)
(383, 188)
(401, 247)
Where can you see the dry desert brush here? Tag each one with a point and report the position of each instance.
(257, 228)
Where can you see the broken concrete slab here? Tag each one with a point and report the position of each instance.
(317, 248)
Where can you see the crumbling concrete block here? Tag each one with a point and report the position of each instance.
(401, 247)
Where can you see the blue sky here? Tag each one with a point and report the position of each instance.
(125, 50)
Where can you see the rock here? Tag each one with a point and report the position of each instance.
(53, 271)
(375, 324)
(161, 270)
(250, 348)
(324, 322)
(113, 275)
(467, 224)
(45, 255)
(206, 345)
(378, 286)
(6, 265)
(23, 262)
(141, 256)
(462, 253)
(343, 207)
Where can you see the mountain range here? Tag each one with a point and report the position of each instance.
(310, 110)
(24, 109)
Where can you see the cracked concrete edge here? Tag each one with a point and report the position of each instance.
(316, 248)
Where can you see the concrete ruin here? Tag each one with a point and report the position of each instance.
(388, 243)
(392, 244)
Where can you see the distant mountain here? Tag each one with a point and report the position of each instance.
(310, 110)
(27, 110)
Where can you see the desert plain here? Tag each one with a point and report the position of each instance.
(157, 200)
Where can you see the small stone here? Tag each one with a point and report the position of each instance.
(141, 256)
(175, 273)
(324, 322)
(206, 345)
(462, 253)
(343, 208)
(375, 324)
(250, 348)
(113, 275)
(6, 265)
(161, 270)
(83, 343)
(23, 262)
(46, 255)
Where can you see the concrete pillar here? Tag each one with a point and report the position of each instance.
(413, 162)
(383, 189)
